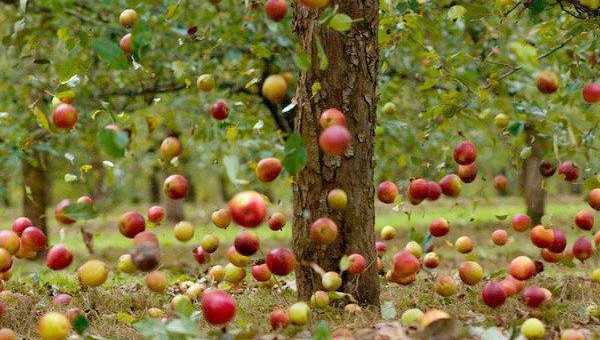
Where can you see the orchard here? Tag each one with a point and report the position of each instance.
(302, 169)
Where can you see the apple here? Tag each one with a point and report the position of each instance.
(219, 110)
(281, 261)
(572, 334)
(331, 281)
(131, 223)
(493, 294)
(5, 260)
(597, 238)
(65, 116)
(464, 244)
(451, 185)
(550, 256)
(248, 208)
(156, 281)
(541, 237)
(221, 218)
(500, 183)
(387, 192)
(33, 239)
(559, 241)
(522, 268)
(276, 9)
(445, 286)
(234, 274)
(533, 328)
(261, 272)
(59, 212)
(128, 18)
(439, 227)
(582, 248)
(277, 221)
(547, 169)
(418, 189)
(357, 264)
(405, 263)
(205, 82)
(380, 247)
(299, 313)
(23, 253)
(93, 273)
(53, 326)
(210, 243)
(431, 316)
(247, 242)
(268, 169)
(125, 44)
(10, 241)
(414, 248)
(470, 272)
(125, 264)
(400, 279)
(194, 290)
(591, 92)
(595, 277)
(183, 231)
(275, 88)
(594, 199)
(501, 121)
(20, 224)
(467, 173)
(176, 187)
(431, 260)
(216, 273)
(533, 296)
(388, 233)
(236, 258)
(323, 231)
(315, 4)
(7, 334)
(411, 317)
(217, 307)
(320, 299)
(59, 257)
(435, 191)
(332, 117)
(335, 140)
(146, 236)
(584, 220)
(500, 237)
(156, 214)
(569, 170)
(521, 222)
(201, 255)
(464, 153)
(145, 256)
(547, 82)
(170, 148)
(337, 199)
(279, 319)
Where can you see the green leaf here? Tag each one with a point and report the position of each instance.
(497, 273)
(344, 263)
(323, 60)
(340, 22)
(151, 328)
(388, 310)
(80, 211)
(113, 142)
(322, 331)
(41, 118)
(183, 326)
(302, 60)
(536, 7)
(80, 324)
(295, 156)
(526, 55)
(516, 128)
(414, 235)
(110, 53)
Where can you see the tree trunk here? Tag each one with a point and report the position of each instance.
(36, 189)
(4, 190)
(531, 178)
(155, 186)
(174, 209)
(348, 83)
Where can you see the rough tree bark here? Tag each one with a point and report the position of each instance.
(531, 178)
(35, 189)
(348, 83)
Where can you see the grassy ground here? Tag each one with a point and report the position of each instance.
(123, 299)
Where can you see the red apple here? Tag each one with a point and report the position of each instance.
(221, 218)
(380, 247)
(59, 212)
(170, 148)
(125, 44)
(435, 191)
(217, 307)
(547, 82)
(201, 256)
(248, 209)
(357, 264)
(332, 117)
(470, 272)
(281, 261)
(20, 224)
(145, 237)
(323, 231)
(493, 294)
(61, 300)
(450, 185)
(261, 272)
(465, 153)
(131, 223)
(418, 189)
(547, 169)
(33, 239)
(500, 183)
(334, 140)
(550, 256)
(521, 222)
(500, 237)
(246, 242)
(156, 214)
(277, 221)
(464, 244)
(559, 241)
(10, 241)
(387, 192)
(219, 110)
(569, 170)
(59, 257)
(533, 296)
(279, 319)
(176, 187)
(591, 93)
(6, 260)
(405, 263)
(522, 268)
(582, 248)
(584, 220)
(594, 199)
(467, 173)
(268, 169)
(439, 227)
(145, 256)
(541, 237)
(65, 116)
(276, 9)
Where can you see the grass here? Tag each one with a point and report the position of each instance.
(112, 307)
